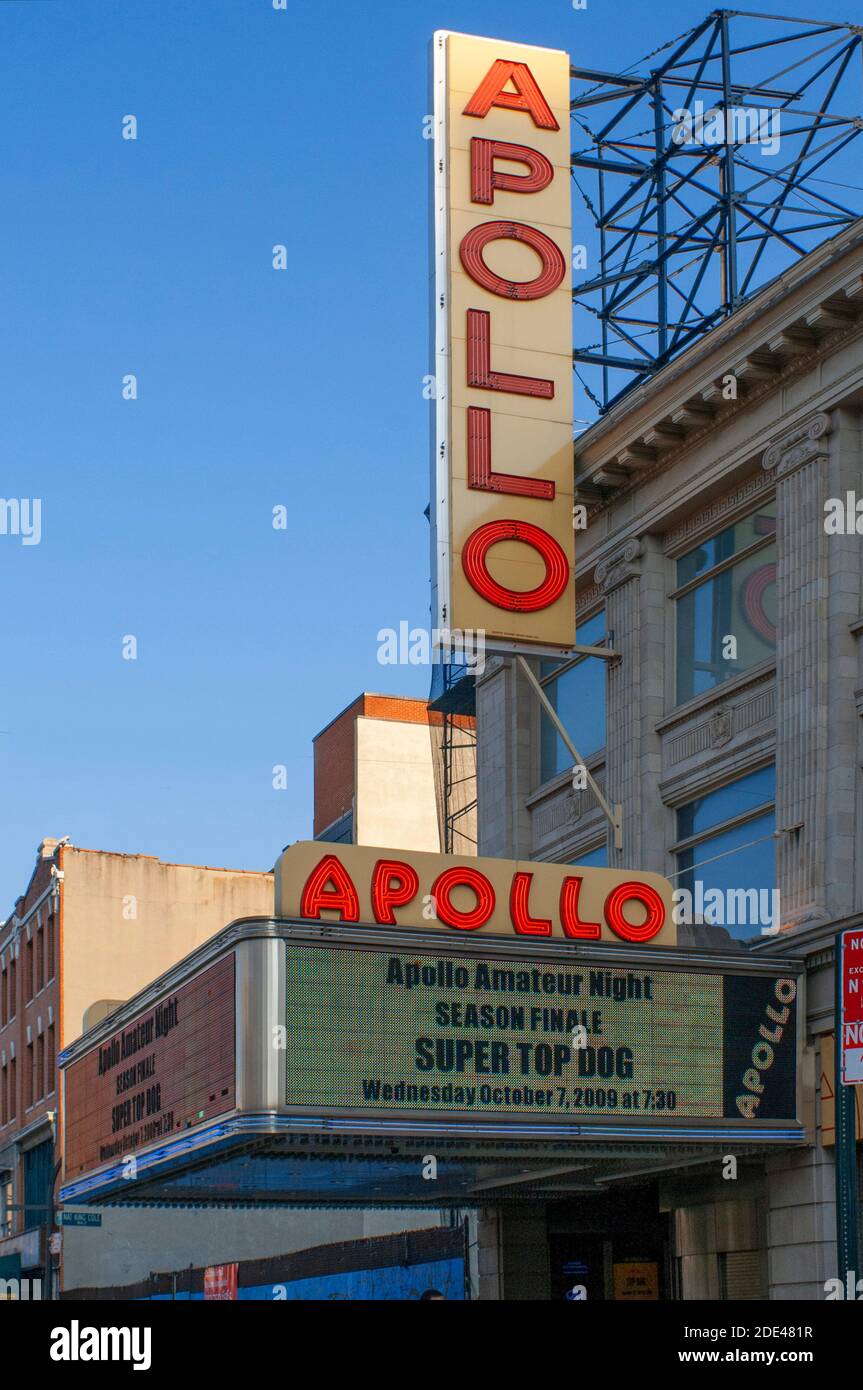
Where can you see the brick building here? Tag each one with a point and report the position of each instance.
(389, 770)
(90, 929)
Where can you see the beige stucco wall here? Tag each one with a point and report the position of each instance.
(395, 803)
(127, 917)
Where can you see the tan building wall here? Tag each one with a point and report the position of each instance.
(91, 926)
(381, 772)
(127, 917)
(396, 806)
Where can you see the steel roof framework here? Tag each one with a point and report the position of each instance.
(688, 219)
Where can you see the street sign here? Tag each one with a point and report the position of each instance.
(80, 1218)
(851, 1003)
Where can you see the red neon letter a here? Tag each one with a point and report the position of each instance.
(341, 898)
(526, 97)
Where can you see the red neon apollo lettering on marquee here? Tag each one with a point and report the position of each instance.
(394, 883)
(342, 897)
(485, 180)
(442, 890)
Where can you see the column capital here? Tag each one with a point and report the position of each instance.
(620, 565)
(798, 446)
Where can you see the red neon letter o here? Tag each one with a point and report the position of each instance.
(644, 894)
(513, 600)
(467, 878)
(474, 242)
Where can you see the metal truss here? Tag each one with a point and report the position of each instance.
(704, 178)
(453, 694)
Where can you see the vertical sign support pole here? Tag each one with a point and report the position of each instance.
(846, 1151)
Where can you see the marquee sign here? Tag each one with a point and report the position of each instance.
(303, 1027)
(170, 1069)
(378, 1030)
(502, 477)
(455, 894)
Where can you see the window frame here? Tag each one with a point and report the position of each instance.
(565, 667)
(728, 563)
(680, 591)
(721, 827)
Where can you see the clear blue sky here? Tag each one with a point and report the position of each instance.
(256, 388)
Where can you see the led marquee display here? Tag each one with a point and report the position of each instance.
(384, 1031)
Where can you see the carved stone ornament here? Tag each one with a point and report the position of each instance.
(721, 727)
(620, 565)
(575, 802)
(798, 446)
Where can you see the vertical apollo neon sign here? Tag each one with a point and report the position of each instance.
(502, 482)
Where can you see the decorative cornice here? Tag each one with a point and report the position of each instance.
(799, 446)
(701, 522)
(586, 597)
(622, 564)
(806, 313)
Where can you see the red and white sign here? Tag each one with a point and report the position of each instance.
(220, 1282)
(502, 478)
(317, 882)
(851, 1021)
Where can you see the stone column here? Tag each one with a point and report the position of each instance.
(798, 462)
(633, 581)
(618, 576)
(505, 760)
(845, 583)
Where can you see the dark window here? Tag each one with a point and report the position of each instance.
(38, 1182)
(50, 1061)
(49, 944)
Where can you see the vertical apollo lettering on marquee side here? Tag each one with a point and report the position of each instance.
(502, 475)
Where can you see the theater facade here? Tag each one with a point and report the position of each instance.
(608, 1038)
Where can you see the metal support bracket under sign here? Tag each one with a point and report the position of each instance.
(613, 814)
